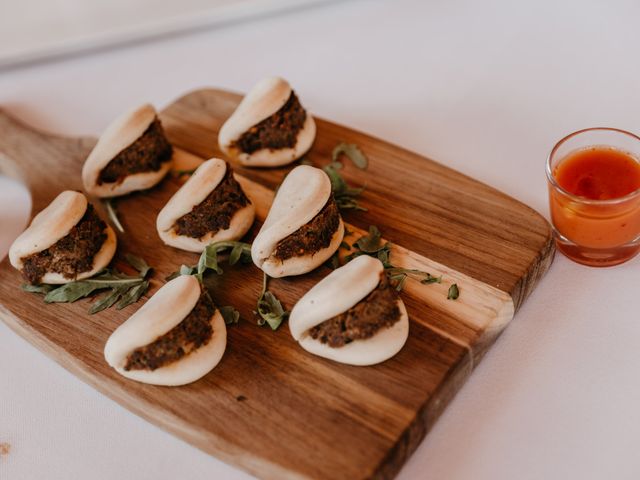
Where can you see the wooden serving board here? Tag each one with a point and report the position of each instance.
(270, 407)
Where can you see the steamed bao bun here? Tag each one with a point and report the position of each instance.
(119, 135)
(162, 312)
(265, 99)
(51, 225)
(204, 180)
(335, 294)
(301, 196)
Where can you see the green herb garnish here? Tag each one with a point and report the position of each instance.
(113, 214)
(372, 245)
(352, 152)
(372, 242)
(125, 289)
(42, 288)
(334, 261)
(238, 252)
(344, 195)
(229, 314)
(138, 263)
(269, 307)
(400, 276)
(454, 292)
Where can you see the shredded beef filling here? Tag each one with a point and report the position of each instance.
(72, 254)
(376, 311)
(146, 154)
(312, 236)
(280, 130)
(215, 212)
(190, 334)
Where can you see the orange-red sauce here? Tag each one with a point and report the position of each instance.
(599, 173)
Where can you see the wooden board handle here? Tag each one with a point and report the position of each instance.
(25, 154)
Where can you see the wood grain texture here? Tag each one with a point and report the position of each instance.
(270, 407)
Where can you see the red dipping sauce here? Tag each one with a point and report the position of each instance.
(594, 194)
(599, 173)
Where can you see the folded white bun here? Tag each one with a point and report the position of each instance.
(52, 224)
(166, 309)
(335, 294)
(302, 195)
(119, 135)
(265, 98)
(203, 181)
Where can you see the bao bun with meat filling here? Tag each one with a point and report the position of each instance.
(269, 128)
(175, 338)
(352, 316)
(210, 207)
(132, 154)
(66, 241)
(303, 228)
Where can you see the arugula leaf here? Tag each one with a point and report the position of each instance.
(334, 260)
(271, 311)
(269, 307)
(371, 244)
(133, 295)
(113, 214)
(70, 292)
(349, 203)
(41, 288)
(107, 301)
(352, 152)
(454, 292)
(208, 261)
(400, 276)
(424, 277)
(240, 252)
(338, 184)
(236, 254)
(185, 270)
(125, 289)
(229, 314)
(400, 280)
(138, 263)
(344, 195)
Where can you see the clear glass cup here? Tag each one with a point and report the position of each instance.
(598, 233)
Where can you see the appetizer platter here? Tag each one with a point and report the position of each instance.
(289, 295)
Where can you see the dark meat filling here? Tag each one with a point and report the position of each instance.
(376, 311)
(190, 334)
(280, 130)
(215, 212)
(146, 154)
(312, 236)
(72, 254)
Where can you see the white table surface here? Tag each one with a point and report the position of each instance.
(485, 87)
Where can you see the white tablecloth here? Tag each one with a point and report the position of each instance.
(485, 87)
